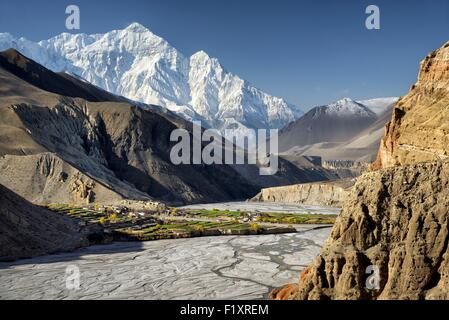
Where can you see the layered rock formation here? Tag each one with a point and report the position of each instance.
(419, 129)
(391, 240)
(332, 193)
(46, 178)
(346, 168)
(397, 221)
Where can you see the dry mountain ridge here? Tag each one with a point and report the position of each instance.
(58, 83)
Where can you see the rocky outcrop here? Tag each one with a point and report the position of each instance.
(287, 292)
(391, 239)
(395, 221)
(331, 193)
(419, 128)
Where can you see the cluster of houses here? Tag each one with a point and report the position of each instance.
(130, 208)
(120, 211)
(251, 217)
(246, 217)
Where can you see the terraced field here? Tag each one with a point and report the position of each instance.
(87, 215)
(266, 217)
(189, 229)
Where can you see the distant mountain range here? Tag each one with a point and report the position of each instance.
(135, 66)
(344, 130)
(139, 65)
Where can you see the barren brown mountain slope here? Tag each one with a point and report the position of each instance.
(61, 84)
(396, 219)
(27, 230)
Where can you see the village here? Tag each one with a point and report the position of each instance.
(149, 209)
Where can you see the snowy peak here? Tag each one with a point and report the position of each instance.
(138, 32)
(135, 39)
(348, 107)
(136, 27)
(345, 101)
(139, 65)
(201, 60)
(201, 56)
(337, 122)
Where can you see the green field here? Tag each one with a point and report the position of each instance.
(88, 216)
(270, 217)
(188, 229)
(215, 213)
(302, 218)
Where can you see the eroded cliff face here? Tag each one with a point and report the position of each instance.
(332, 193)
(419, 129)
(90, 147)
(45, 178)
(396, 220)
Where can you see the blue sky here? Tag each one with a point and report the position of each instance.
(309, 52)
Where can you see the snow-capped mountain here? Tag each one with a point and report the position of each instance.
(334, 123)
(346, 107)
(139, 65)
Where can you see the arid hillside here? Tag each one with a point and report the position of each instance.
(27, 230)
